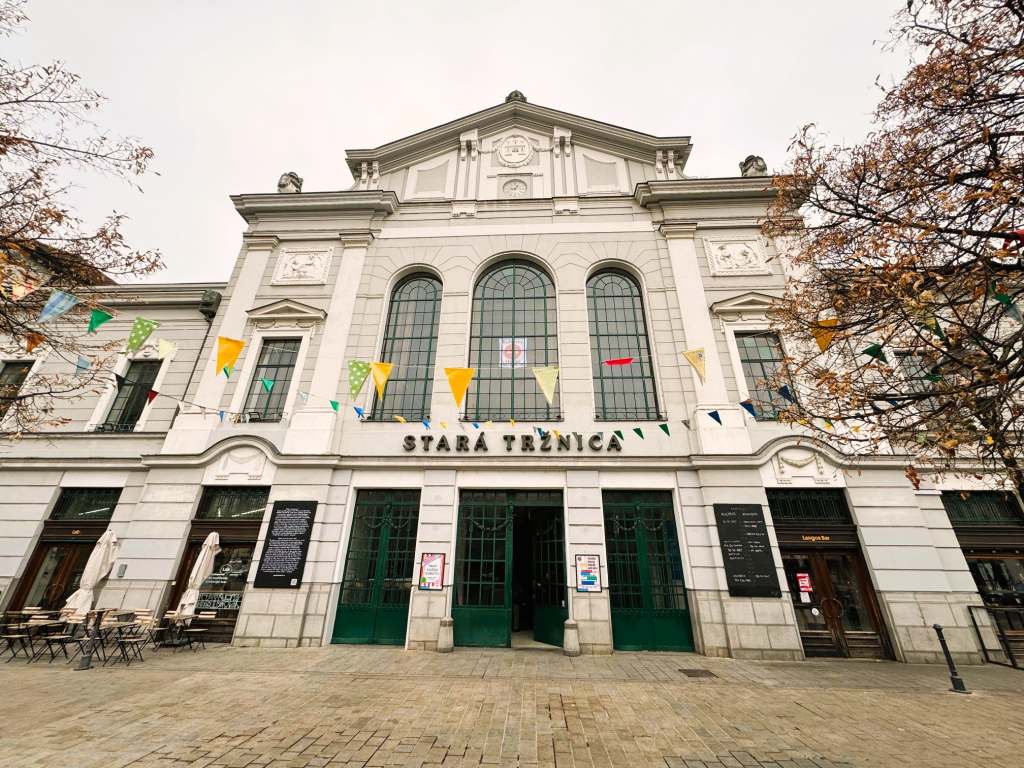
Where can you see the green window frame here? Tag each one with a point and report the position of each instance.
(132, 397)
(86, 504)
(233, 502)
(410, 343)
(618, 329)
(513, 300)
(982, 508)
(821, 506)
(12, 376)
(761, 357)
(277, 363)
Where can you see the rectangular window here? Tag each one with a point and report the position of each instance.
(271, 380)
(982, 508)
(761, 357)
(814, 506)
(86, 504)
(233, 503)
(131, 398)
(12, 376)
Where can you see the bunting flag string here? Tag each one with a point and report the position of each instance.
(381, 372)
(357, 373)
(458, 382)
(786, 393)
(165, 349)
(151, 395)
(696, 358)
(141, 329)
(33, 340)
(664, 428)
(228, 350)
(58, 304)
(639, 432)
(400, 419)
(83, 364)
(97, 318)
(748, 406)
(618, 361)
(716, 416)
(875, 352)
(268, 384)
(824, 331)
(547, 378)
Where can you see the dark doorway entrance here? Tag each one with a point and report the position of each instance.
(54, 574)
(373, 606)
(510, 568)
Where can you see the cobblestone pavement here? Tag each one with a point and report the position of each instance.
(363, 706)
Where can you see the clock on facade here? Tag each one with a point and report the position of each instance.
(514, 188)
(514, 151)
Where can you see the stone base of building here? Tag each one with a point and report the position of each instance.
(912, 614)
(745, 627)
(283, 618)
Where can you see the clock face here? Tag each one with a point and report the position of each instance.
(514, 151)
(514, 188)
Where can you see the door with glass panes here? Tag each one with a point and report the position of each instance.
(645, 573)
(373, 605)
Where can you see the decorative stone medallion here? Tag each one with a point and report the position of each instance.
(736, 257)
(514, 151)
(514, 188)
(306, 266)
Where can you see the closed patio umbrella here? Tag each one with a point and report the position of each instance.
(97, 567)
(201, 570)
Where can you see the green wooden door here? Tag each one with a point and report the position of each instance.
(373, 606)
(550, 608)
(482, 609)
(645, 573)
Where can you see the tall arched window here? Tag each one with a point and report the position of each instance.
(410, 342)
(618, 330)
(514, 330)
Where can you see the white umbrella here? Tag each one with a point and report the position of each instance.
(97, 567)
(200, 572)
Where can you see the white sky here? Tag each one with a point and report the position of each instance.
(230, 94)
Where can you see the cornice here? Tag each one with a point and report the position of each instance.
(159, 294)
(251, 207)
(692, 190)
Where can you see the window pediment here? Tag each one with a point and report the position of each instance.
(748, 306)
(286, 313)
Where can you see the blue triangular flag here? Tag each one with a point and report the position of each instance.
(83, 364)
(425, 423)
(476, 425)
(716, 416)
(749, 407)
(359, 411)
(785, 391)
(58, 303)
(221, 413)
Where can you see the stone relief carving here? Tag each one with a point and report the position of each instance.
(289, 182)
(248, 462)
(303, 266)
(792, 464)
(753, 165)
(736, 257)
(514, 151)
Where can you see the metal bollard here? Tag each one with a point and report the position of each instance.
(954, 676)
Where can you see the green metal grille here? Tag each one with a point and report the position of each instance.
(86, 504)
(617, 330)
(276, 364)
(132, 398)
(822, 506)
(484, 551)
(513, 301)
(982, 508)
(233, 503)
(761, 357)
(410, 342)
(549, 561)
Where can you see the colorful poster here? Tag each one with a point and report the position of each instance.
(803, 581)
(588, 573)
(512, 353)
(432, 571)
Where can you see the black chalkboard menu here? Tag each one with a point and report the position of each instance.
(746, 551)
(286, 545)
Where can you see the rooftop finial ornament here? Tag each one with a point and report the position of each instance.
(516, 96)
(289, 182)
(753, 166)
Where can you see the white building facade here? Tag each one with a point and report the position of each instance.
(642, 508)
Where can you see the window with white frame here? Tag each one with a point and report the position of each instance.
(271, 379)
(12, 375)
(132, 396)
(760, 356)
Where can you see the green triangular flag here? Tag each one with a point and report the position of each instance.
(618, 434)
(227, 371)
(664, 428)
(141, 329)
(334, 405)
(98, 318)
(357, 373)
(639, 432)
(268, 384)
(875, 351)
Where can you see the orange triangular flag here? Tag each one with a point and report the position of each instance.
(228, 351)
(32, 340)
(458, 381)
(695, 357)
(824, 331)
(380, 372)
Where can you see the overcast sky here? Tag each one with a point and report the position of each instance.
(231, 94)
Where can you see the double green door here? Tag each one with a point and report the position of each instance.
(373, 606)
(510, 567)
(645, 573)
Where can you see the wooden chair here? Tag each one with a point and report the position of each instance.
(197, 635)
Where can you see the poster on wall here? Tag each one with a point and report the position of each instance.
(512, 353)
(588, 573)
(746, 551)
(432, 571)
(284, 551)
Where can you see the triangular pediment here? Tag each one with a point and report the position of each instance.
(516, 137)
(746, 305)
(287, 309)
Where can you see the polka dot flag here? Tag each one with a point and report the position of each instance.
(357, 373)
(141, 329)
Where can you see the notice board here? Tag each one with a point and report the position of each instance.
(284, 550)
(746, 551)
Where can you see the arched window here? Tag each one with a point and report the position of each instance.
(410, 342)
(514, 330)
(618, 330)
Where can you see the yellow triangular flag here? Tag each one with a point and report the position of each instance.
(458, 381)
(695, 357)
(381, 371)
(824, 331)
(228, 351)
(547, 376)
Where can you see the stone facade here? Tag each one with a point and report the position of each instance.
(573, 196)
